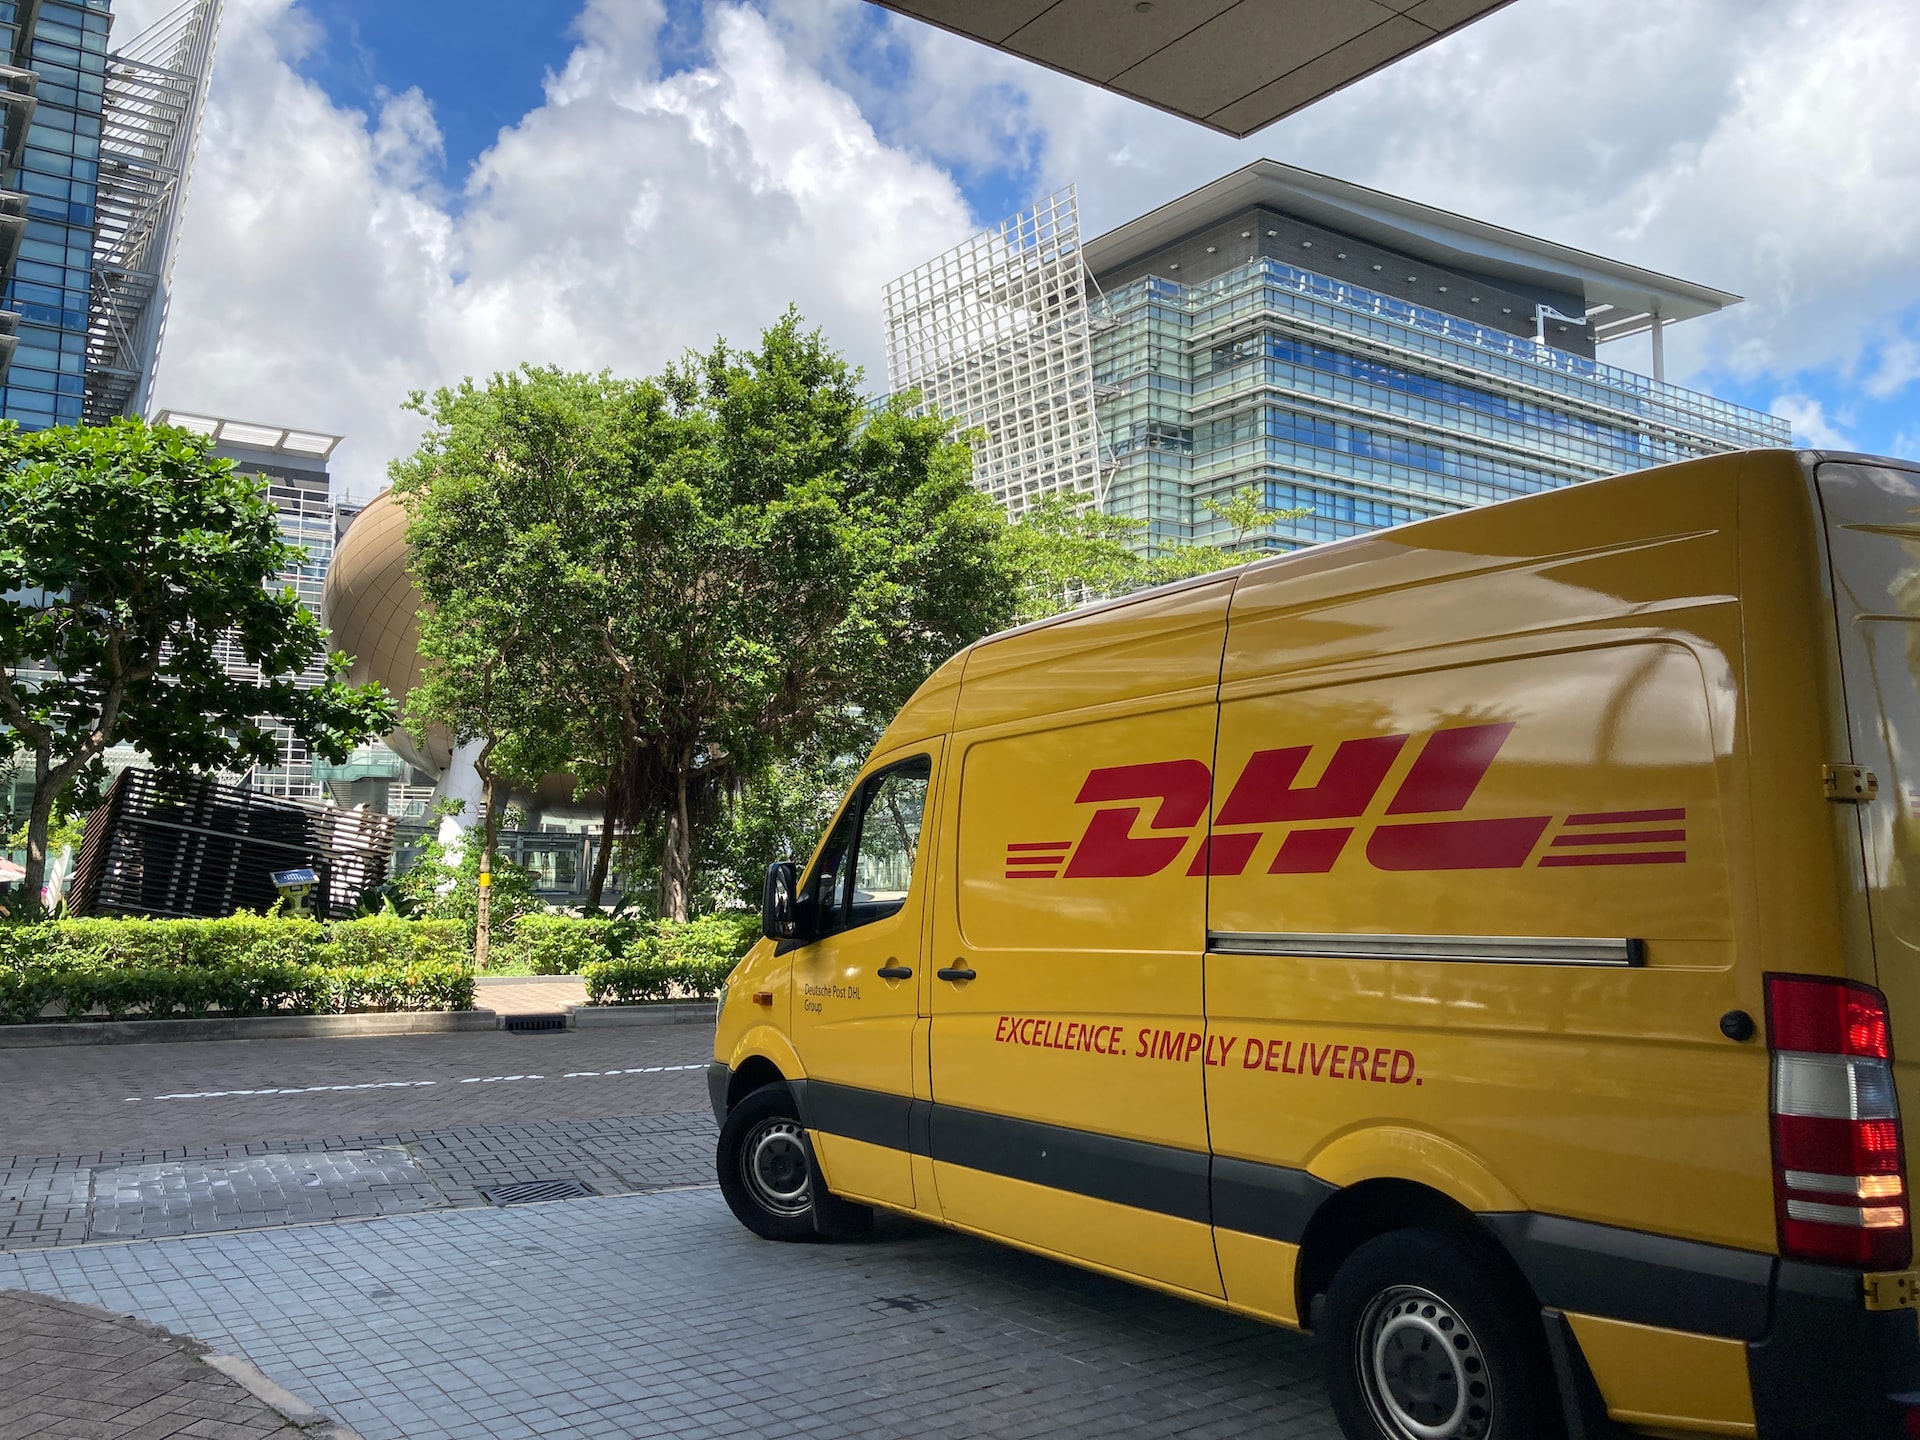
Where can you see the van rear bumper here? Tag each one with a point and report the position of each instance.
(1828, 1368)
(1821, 1365)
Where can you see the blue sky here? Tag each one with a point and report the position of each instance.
(702, 162)
(481, 63)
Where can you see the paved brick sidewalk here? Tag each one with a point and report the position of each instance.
(69, 1370)
(657, 1315)
(529, 994)
(117, 1195)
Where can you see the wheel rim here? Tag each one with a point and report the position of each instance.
(1422, 1371)
(773, 1159)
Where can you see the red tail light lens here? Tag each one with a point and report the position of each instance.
(1839, 1175)
(1827, 1017)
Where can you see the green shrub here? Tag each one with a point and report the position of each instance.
(669, 961)
(559, 944)
(246, 965)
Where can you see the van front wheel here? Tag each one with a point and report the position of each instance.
(1429, 1338)
(768, 1177)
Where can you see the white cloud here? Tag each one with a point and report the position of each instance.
(810, 153)
(1761, 146)
(1811, 423)
(631, 215)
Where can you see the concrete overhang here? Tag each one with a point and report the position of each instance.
(1621, 298)
(1233, 65)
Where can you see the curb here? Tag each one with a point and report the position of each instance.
(597, 1017)
(249, 1027)
(277, 1397)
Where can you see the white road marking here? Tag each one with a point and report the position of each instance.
(408, 1084)
(291, 1090)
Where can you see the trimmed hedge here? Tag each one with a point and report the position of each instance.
(669, 961)
(247, 965)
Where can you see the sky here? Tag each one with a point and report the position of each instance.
(392, 194)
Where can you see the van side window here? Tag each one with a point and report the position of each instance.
(864, 875)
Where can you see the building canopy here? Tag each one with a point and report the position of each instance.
(1233, 65)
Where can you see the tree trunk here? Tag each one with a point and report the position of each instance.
(676, 859)
(598, 880)
(489, 829)
(39, 821)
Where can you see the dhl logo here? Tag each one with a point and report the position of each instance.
(1441, 781)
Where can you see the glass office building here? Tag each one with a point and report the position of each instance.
(96, 157)
(63, 47)
(1367, 360)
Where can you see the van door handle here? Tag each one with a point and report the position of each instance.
(958, 971)
(894, 971)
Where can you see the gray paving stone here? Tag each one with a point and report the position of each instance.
(656, 1314)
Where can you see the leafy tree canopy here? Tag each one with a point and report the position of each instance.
(132, 563)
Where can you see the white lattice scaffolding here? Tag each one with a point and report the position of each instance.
(995, 336)
(156, 90)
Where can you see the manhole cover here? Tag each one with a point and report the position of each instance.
(525, 1024)
(527, 1192)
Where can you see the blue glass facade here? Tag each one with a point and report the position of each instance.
(1361, 407)
(58, 174)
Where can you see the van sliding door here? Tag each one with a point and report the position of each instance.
(1067, 1034)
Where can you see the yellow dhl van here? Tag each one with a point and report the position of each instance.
(1489, 943)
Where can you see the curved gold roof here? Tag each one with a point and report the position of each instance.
(373, 609)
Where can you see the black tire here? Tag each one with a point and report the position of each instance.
(768, 1176)
(1430, 1336)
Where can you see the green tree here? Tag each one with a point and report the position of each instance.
(782, 573)
(128, 554)
(497, 498)
(1246, 512)
(1065, 552)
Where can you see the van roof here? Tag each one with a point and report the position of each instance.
(1106, 607)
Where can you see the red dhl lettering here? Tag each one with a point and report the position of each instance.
(1443, 778)
(1371, 1064)
(1044, 1034)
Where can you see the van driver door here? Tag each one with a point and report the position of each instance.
(857, 985)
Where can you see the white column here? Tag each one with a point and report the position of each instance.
(462, 782)
(1659, 348)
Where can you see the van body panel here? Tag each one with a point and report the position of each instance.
(929, 712)
(1159, 645)
(1873, 538)
(1800, 904)
(1376, 1151)
(1657, 1377)
(864, 1171)
(1085, 1016)
(1542, 750)
(1121, 1239)
(1266, 1275)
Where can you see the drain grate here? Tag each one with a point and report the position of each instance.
(527, 1192)
(527, 1024)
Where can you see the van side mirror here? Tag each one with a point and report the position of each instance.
(779, 913)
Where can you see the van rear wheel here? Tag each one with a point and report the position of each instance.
(1429, 1337)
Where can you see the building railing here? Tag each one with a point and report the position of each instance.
(1524, 358)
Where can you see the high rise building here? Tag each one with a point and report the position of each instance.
(293, 466)
(1352, 354)
(95, 151)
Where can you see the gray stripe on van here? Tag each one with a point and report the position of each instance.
(1577, 1265)
(1493, 949)
(1160, 1178)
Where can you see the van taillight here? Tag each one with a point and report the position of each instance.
(1838, 1166)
